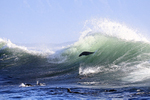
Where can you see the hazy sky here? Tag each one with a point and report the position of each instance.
(57, 21)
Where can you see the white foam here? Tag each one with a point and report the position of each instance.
(89, 70)
(85, 70)
(111, 28)
(96, 69)
(141, 73)
(9, 44)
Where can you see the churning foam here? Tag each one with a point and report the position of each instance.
(140, 74)
(89, 70)
(8, 44)
(111, 28)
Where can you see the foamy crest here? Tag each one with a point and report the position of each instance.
(111, 28)
(8, 44)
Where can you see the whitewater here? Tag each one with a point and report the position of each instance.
(119, 68)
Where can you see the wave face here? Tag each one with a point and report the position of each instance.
(121, 57)
(114, 60)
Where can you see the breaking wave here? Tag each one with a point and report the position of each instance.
(122, 55)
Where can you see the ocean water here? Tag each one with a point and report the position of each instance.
(118, 69)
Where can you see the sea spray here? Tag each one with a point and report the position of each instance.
(112, 28)
(120, 56)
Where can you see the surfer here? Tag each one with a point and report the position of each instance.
(29, 85)
(85, 53)
(40, 84)
(69, 91)
(25, 85)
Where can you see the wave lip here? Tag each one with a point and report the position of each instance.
(111, 28)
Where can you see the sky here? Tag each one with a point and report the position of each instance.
(59, 21)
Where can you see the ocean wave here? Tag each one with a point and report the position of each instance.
(120, 55)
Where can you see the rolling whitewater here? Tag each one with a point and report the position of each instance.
(119, 67)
